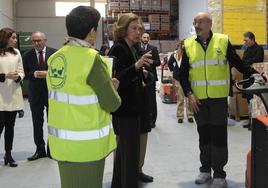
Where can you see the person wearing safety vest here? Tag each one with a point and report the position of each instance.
(81, 96)
(205, 79)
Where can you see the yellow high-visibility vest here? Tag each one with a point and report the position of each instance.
(79, 130)
(209, 73)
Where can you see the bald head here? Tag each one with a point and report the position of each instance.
(202, 23)
(204, 16)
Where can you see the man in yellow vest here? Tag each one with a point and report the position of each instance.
(205, 79)
(81, 96)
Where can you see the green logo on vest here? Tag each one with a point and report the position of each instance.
(57, 71)
(218, 51)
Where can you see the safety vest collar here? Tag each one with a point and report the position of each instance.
(79, 135)
(73, 99)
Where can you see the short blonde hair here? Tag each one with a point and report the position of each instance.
(121, 26)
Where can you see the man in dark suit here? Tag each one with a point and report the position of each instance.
(145, 47)
(35, 68)
(148, 122)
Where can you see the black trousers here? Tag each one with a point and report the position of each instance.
(7, 121)
(211, 123)
(38, 121)
(126, 164)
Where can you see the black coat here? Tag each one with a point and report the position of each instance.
(253, 54)
(130, 88)
(37, 87)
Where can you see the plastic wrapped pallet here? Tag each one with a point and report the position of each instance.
(257, 105)
(236, 17)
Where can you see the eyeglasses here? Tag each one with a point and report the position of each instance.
(38, 40)
(200, 22)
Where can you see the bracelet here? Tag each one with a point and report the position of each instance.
(189, 93)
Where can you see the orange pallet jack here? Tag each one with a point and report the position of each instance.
(257, 157)
(167, 87)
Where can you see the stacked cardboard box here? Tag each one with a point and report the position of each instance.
(238, 106)
(165, 5)
(154, 20)
(124, 5)
(113, 6)
(134, 5)
(156, 5)
(168, 45)
(146, 5)
(165, 22)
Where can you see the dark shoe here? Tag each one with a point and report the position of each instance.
(8, 160)
(246, 125)
(145, 178)
(21, 113)
(36, 156)
(180, 120)
(190, 120)
(153, 125)
(49, 156)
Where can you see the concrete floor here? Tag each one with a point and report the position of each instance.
(172, 156)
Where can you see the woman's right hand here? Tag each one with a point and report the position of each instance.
(146, 59)
(12, 75)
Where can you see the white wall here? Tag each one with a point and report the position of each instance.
(33, 15)
(6, 14)
(187, 10)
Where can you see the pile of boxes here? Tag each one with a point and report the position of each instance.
(165, 22)
(154, 20)
(154, 13)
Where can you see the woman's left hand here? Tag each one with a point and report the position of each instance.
(12, 75)
(115, 83)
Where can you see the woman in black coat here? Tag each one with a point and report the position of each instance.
(127, 119)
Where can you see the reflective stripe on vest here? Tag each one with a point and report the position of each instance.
(209, 62)
(210, 82)
(80, 135)
(73, 99)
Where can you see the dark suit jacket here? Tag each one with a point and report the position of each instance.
(173, 66)
(155, 57)
(37, 87)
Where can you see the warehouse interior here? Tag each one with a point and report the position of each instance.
(172, 156)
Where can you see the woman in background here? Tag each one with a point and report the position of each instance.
(11, 101)
(173, 65)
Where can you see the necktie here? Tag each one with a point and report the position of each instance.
(41, 61)
(144, 48)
